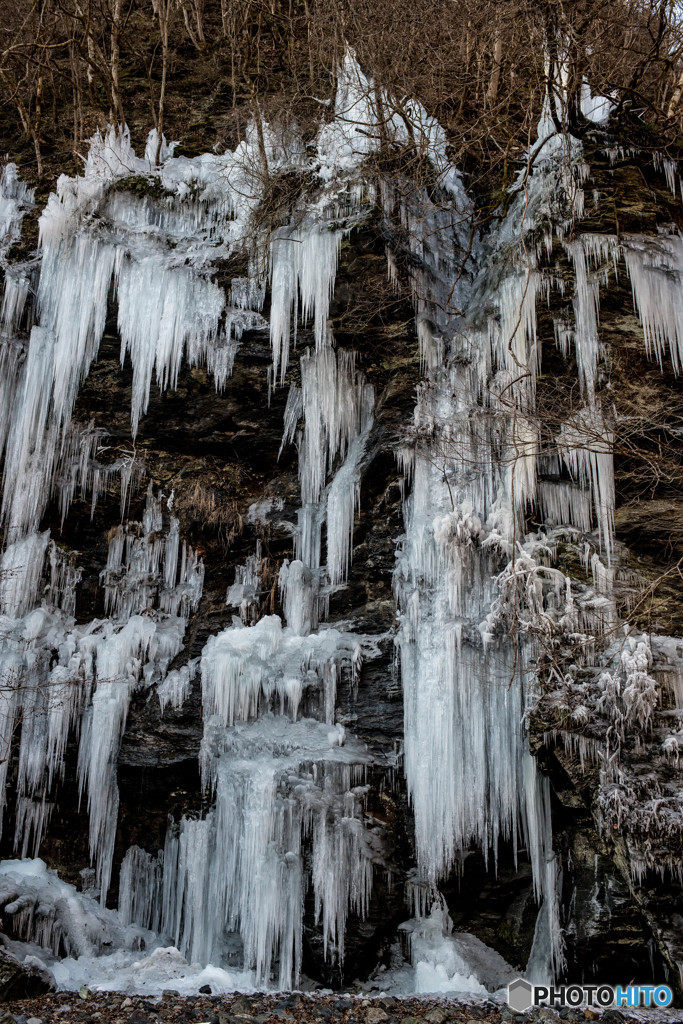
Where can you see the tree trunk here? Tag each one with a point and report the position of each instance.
(25, 117)
(675, 97)
(163, 10)
(494, 81)
(115, 60)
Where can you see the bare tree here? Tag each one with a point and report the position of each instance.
(164, 11)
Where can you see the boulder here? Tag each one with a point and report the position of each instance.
(22, 980)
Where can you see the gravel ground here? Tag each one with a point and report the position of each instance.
(115, 1008)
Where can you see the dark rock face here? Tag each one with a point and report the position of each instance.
(22, 981)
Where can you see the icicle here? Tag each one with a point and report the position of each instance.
(15, 199)
(140, 883)
(299, 587)
(119, 658)
(585, 444)
(562, 502)
(20, 572)
(163, 311)
(174, 689)
(265, 807)
(546, 959)
(304, 265)
(337, 405)
(343, 498)
(243, 667)
(655, 268)
(586, 311)
(165, 150)
(244, 593)
(141, 568)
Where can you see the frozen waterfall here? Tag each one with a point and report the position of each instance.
(286, 828)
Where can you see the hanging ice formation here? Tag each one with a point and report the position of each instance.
(287, 781)
(468, 632)
(283, 771)
(60, 677)
(472, 467)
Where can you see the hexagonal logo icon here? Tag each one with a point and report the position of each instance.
(520, 995)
